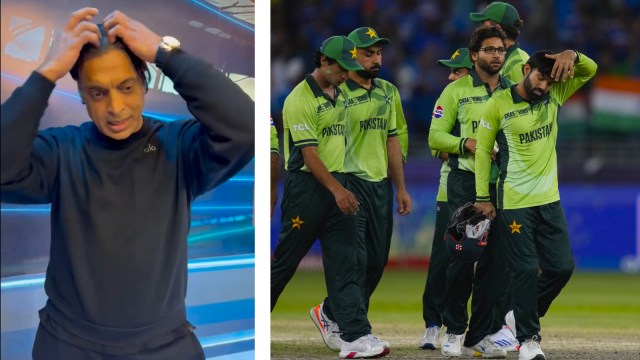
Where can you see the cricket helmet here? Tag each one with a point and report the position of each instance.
(467, 233)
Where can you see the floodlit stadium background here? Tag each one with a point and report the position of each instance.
(221, 242)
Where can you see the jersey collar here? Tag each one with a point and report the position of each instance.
(352, 85)
(504, 83)
(510, 50)
(317, 91)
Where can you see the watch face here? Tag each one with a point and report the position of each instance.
(171, 42)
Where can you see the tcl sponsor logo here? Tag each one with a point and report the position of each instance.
(300, 127)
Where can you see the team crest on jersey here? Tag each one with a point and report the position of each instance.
(438, 112)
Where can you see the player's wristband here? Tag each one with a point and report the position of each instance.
(483, 198)
(462, 147)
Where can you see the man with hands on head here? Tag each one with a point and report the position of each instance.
(120, 186)
(530, 219)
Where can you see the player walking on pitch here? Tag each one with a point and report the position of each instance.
(530, 219)
(316, 202)
(453, 128)
(373, 150)
(434, 290)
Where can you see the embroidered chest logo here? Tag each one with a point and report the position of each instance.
(296, 223)
(149, 148)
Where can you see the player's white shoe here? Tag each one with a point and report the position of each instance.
(530, 350)
(367, 346)
(452, 345)
(485, 349)
(510, 319)
(385, 344)
(328, 329)
(504, 338)
(431, 338)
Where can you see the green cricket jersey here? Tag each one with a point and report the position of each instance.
(275, 146)
(526, 134)
(456, 117)
(515, 58)
(312, 118)
(372, 119)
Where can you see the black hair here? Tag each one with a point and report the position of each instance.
(317, 56)
(481, 34)
(89, 50)
(539, 61)
(511, 31)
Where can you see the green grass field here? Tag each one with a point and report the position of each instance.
(597, 316)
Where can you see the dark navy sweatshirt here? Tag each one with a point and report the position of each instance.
(120, 209)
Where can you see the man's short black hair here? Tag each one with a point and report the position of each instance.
(316, 58)
(482, 33)
(539, 61)
(89, 50)
(511, 31)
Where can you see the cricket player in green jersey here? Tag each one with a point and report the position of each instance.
(373, 151)
(434, 290)
(506, 17)
(530, 219)
(453, 130)
(275, 165)
(316, 202)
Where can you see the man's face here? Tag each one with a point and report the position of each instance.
(334, 73)
(490, 61)
(113, 93)
(457, 73)
(371, 60)
(536, 84)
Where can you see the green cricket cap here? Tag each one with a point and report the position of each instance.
(459, 59)
(365, 36)
(500, 12)
(342, 50)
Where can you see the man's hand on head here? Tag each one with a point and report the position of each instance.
(139, 38)
(65, 49)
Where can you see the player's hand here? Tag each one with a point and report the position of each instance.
(563, 67)
(404, 202)
(347, 202)
(65, 49)
(470, 145)
(139, 38)
(487, 209)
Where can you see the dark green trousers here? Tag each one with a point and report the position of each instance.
(435, 287)
(310, 212)
(536, 238)
(376, 205)
(485, 284)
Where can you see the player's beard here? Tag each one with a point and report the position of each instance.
(369, 74)
(534, 94)
(488, 68)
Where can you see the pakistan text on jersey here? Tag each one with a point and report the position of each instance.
(472, 100)
(373, 124)
(537, 134)
(333, 130)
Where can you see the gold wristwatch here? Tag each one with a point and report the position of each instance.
(169, 43)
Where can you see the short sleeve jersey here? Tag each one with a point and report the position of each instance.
(515, 58)
(275, 145)
(526, 134)
(312, 118)
(372, 119)
(456, 116)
